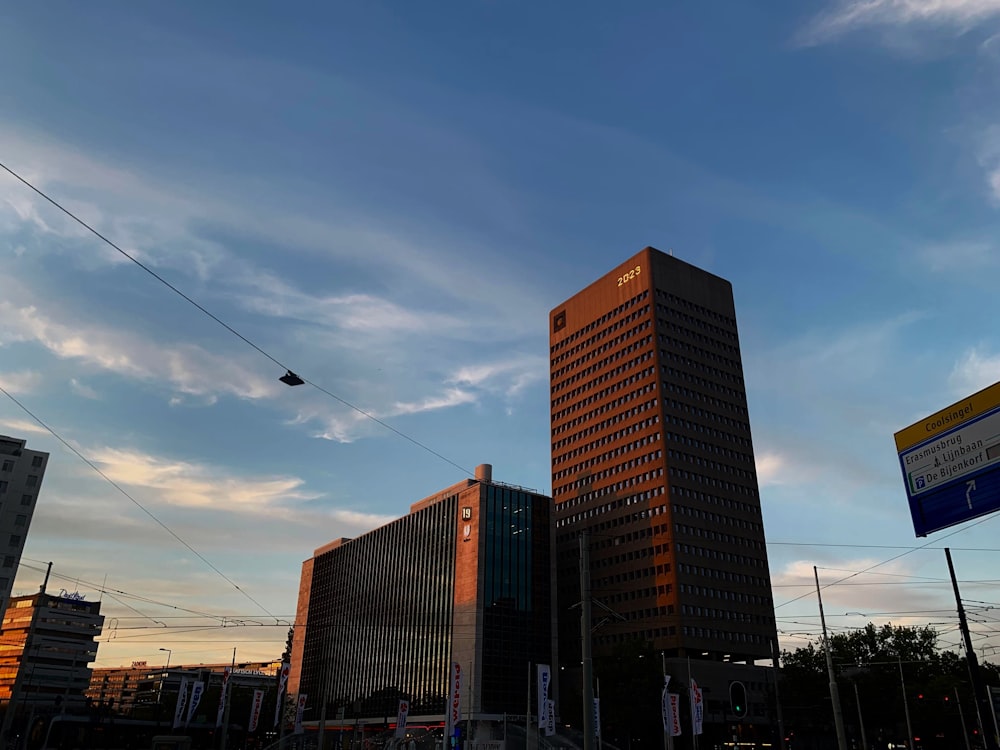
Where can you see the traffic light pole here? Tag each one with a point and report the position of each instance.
(838, 716)
(978, 687)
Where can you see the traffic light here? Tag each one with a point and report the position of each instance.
(738, 699)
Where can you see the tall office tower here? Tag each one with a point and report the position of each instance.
(21, 472)
(651, 453)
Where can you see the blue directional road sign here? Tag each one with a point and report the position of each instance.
(951, 462)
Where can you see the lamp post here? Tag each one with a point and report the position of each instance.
(163, 677)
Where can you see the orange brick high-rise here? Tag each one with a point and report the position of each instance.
(651, 452)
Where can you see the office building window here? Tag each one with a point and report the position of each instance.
(25, 499)
(20, 520)
(3, 486)
(8, 561)
(31, 481)
(15, 540)
(7, 466)
(36, 461)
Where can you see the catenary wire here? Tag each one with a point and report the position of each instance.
(139, 505)
(219, 320)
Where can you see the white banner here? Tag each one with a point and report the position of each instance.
(196, 691)
(544, 677)
(401, 714)
(222, 696)
(299, 710)
(282, 681)
(453, 711)
(697, 709)
(181, 703)
(675, 715)
(550, 715)
(258, 701)
(597, 718)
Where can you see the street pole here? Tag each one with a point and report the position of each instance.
(838, 717)
(978, 687)
(776, 665)
(588, 663)
(906, 704)
(861, 720)
(668, 738)
(961, 720)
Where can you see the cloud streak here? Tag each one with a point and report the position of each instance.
(847, 16)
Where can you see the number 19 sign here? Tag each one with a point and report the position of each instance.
(951, 462)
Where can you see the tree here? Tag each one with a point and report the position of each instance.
(868, 663)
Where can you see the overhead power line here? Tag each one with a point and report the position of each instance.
(294, 379)
(135, 502)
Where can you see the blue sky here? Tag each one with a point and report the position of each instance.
(389, 198)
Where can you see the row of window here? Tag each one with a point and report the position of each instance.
(606, 456)
(673, 299)
(598, 366)
(692, 365)
(732, 596)
(719, 484)
(633, 594)
(8, 466)
(31, 481)
(592, 426)
(611, 405)
(601, 321)
(617, 469)
(620, 370)
(673, 437)
(675, 376)
(704, 355)
(672, 387)
(721, 575)
(610, 437)
(634, 574)
(713, 465)
(25, 499)
(726, 635)
(724, 614)
(619, 502)
(718, 536)
(707, 497)
(606, 346)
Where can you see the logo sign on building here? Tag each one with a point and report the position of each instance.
(951, 462)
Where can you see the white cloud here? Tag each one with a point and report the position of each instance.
(190, 484)
(23, 381)
(509, 376)
(960, 257)
(15, 427)
(185, 367)
(974, 371)
(81, 389)
(850, 15)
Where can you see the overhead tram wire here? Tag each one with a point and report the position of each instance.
(886, 562)
(137, 504)
(223, 323)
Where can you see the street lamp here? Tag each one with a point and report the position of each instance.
(169, 652)
(163, 677)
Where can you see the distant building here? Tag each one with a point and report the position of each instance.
(46, 646)
(652, 455)
(21, 473)
(150, 692)
(465, 577)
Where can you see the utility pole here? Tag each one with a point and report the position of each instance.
(588, 663)
(906, 703)
(776, 667)
(979, 688)
(838, 717)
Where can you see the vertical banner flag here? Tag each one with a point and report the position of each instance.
(597, 718)
(282, 681)
(299, 710)
(675, 715)
(181, 703)
(544, 676)
(196, 691)
(401, 714)
(258, 701)
(697, 708)
(550, 715)
(222, 696)
(453, 711)
(665, 704)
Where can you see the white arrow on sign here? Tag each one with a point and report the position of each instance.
(969, 487)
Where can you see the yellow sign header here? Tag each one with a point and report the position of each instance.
(949, 417)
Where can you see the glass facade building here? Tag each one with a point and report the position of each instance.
(467, 576)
